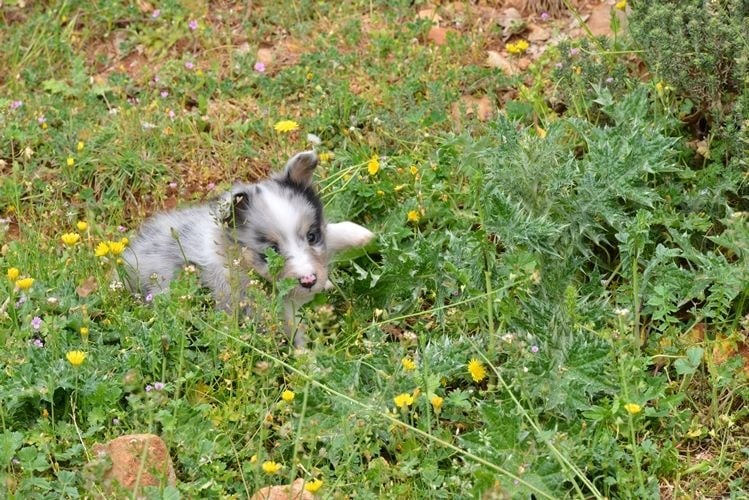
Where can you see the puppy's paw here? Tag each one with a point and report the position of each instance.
(345, 235)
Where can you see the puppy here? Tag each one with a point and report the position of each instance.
(227, 238)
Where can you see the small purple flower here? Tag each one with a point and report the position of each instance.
(38, 343)
(42, 119)
(156, 79)
(260, 67)
(149, 297)
(173, 185)
(149, 388)
(534, 349)
(121, 229)
(156, 13)
(189, 65)
(574, 51)
(171, 114)
(545, 16)
(16, 104)
(164, 94)
(193, 25)
(115, 421)
(211, 186)
(559, 65)
(158, 386)
(36, 323)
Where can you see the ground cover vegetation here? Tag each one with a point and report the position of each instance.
(555, 304)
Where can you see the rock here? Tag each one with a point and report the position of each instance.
(293, 491)
(438, 35)
(119, 462)
(496, 60)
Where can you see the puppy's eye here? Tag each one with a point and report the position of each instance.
(313, 237)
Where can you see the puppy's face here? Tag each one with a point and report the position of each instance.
(283, 213)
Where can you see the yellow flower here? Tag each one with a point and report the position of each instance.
(271, 467)
(287, 396)
(124, 240)
(116, 247)
(84, 330)
(436, 402)
(633, 408)
(76, 358)
(70, 239)
(313, 486)
(286, 126)
(403, 400)
(659, 87)
(414, 170)
(517, 48)
(70, 161)
(25, 283)
(477, 370)
(413, 216)
(373, 165)
(13, 273)
(408, 364)
(325, 157)
(102, 249)
(380, 192)
(621, 5)
(81, 225)
(79, 146)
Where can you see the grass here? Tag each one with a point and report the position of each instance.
(572, 246)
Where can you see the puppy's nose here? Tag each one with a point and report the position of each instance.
(308, 281)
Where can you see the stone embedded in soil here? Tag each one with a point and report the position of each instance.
(131, 455)
(293, 491)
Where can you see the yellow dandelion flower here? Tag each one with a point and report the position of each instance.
(80, 146)
(124, 240)
(633, 408)
(285, 126)
(116, 247)
(408, 364)
(287, 396)
(313, 486)
(414, 170)
(325, 157)
(436, 402)
(403, 400)
(477, 370)
(84, 331)
(76, 358)
(414, 216)
(70, 161)
(81, 225)
(70, 239)
(25, 283)
(621, 5)
(271, 467)
(102, 249)
(517, 48)
(13, 273)
(373, 166)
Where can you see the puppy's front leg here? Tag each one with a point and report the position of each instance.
(295, 329)
(345, 235)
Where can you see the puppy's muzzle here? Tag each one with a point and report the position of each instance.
(308, 281)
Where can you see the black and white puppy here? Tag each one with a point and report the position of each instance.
(227, 238)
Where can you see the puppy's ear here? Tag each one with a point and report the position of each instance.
(345, 235)
(299, 168)
(235, 204)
